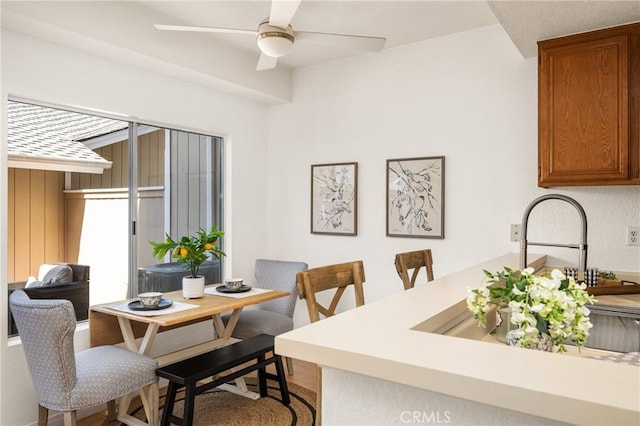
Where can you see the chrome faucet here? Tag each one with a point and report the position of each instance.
(525, 219)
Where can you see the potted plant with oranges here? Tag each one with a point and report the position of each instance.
(192, 251)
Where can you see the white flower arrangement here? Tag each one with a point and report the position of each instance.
(550, 304)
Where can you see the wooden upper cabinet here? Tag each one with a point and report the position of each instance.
(589, 108)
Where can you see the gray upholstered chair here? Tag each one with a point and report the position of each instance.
(275, 316)
(65, 381)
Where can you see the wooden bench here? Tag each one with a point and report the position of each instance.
(189, 372)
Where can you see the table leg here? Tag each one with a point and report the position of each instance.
(225, 332)
(145, 346)
(130, 339)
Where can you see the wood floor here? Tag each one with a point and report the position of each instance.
(304, 374)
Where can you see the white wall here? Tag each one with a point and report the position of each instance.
(470, 97)
(37, 70)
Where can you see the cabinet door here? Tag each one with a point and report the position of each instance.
(584, 136)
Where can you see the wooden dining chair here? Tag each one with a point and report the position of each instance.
(414, 260)
(337, 277)
(323, 278)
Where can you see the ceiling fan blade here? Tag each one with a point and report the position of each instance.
(266, 62)
(282, 12)
(203, 29)
(364, 43)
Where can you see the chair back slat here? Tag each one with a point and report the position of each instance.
(335, 300)
(414, 260)
(323, 278)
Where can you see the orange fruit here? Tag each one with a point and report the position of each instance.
(208, 246)
(176, 251)
(184, 252)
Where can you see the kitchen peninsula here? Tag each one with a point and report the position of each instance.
(388, 363)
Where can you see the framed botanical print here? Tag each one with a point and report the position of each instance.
(334, 193)
(415, 197)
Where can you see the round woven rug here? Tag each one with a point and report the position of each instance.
(221, 408)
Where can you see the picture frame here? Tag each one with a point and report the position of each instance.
(334, 199)
(415, 197)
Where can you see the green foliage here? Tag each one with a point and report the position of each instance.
(607, 275)
(501, 296)
(192, 251)
(546, 304)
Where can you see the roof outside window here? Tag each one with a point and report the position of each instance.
(54, 139)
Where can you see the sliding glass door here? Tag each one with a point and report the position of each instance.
(94, 191)
(179, 193)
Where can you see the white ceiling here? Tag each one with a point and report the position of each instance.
(127, 27)
(400, 22)
(526, 22)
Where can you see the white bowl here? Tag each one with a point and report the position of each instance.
(150, 299)
(233, 283)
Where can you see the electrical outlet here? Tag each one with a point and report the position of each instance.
(515, 232)
(633, 235)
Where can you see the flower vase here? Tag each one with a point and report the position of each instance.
(193, 287)
(503, 323)
(544, 342)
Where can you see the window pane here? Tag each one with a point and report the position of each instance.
(190, 202)
(47, 148)
(68, 198)
(97, 212)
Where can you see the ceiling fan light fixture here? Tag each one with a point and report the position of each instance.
(274, 41)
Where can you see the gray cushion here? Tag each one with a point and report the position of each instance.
(34, 284)
(107, 372)
(257, 321)
(59, 274)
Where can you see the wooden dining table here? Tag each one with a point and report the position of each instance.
(110, 326)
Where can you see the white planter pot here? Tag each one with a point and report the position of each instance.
(192, 287)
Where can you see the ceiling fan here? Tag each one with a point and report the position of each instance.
(275, 36)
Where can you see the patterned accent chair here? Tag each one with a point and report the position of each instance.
(65, 381)
(275, 316)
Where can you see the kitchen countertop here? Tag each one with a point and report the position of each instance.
(389, 339)
(630, 301)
